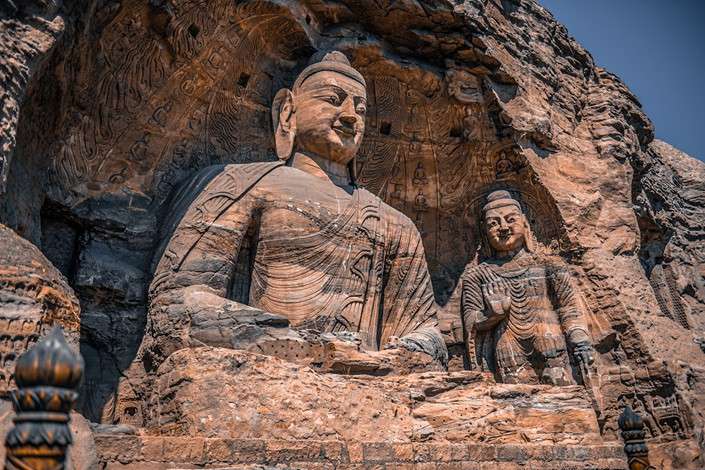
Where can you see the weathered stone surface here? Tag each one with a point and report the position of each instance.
(253, 454)
(29, 32)
(111, 105)
(34, 296)
(255, 396)
(241, 454)
(263, 410)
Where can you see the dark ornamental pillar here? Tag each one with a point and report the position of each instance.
(47, 377)
(632, 426)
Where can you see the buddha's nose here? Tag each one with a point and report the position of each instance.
(348, 117)
(348, 120)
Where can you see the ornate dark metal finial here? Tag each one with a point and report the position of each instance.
(47, 377)
(633, 434)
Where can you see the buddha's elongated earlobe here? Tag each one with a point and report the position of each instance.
(529, 242)
(284, 122)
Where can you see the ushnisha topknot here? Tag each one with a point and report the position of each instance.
(500, 199)
(333, 61)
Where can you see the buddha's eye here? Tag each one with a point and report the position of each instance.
(332, 99)
(360, 106)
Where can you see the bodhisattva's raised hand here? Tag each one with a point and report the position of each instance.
(497, 298)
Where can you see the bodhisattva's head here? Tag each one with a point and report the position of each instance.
(506, 228)
(324, 112)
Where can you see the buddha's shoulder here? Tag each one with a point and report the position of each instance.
(235, 178)
(387, 212)
(252, 171)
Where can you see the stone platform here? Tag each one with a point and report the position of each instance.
(158, 453)
(221, 408)
(224, 393)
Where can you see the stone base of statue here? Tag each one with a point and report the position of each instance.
(224, 407)
(217, 392)
(302, 400)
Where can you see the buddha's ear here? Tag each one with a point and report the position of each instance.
(284, 121)
(529, 242)
(485, 249)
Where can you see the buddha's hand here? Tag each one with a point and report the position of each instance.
(217, 321)
(497, 298)
(425, 340)
(583, 351)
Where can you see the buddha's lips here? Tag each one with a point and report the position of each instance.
(345, 130)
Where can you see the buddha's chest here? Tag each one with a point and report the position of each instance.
(308, 213)
(300, 216)
(522, 287)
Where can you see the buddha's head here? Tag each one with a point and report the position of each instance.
(505, 227)
(324, 112)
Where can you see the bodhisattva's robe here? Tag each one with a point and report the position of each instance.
(541, 311)
(285, 242)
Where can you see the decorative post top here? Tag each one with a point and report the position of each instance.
(629, 420)
(633, 434)
(51, 363)
(47, 377)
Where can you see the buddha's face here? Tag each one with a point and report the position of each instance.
(330, 116)
(506, 229)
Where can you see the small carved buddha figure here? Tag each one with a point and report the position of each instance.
(296, 243)
(521, 317)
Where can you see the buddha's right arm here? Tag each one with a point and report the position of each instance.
(472, 307)
(189, 304)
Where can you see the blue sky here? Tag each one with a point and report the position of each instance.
(657, 47)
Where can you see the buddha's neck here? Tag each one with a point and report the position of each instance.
(509, 255)
(336, 173)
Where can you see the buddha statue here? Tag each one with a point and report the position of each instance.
(295, 245)
(521, 316)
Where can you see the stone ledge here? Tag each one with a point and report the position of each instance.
(573, 465)
(136, 452)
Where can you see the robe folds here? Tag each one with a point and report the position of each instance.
(278, 239)
(514, 314)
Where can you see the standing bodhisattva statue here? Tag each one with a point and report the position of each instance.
(294, 243)
(521, 314)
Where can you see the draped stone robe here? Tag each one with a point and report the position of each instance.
(286, 242)
(535, 309)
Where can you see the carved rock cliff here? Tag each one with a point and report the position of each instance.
(108, 105)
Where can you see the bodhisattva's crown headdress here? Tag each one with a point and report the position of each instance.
(334, 61)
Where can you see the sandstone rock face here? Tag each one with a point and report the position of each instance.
(34, 296)
(109, 106)
(255, 396)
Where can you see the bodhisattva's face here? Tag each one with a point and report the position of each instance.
(506, 230)
(330, 116)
